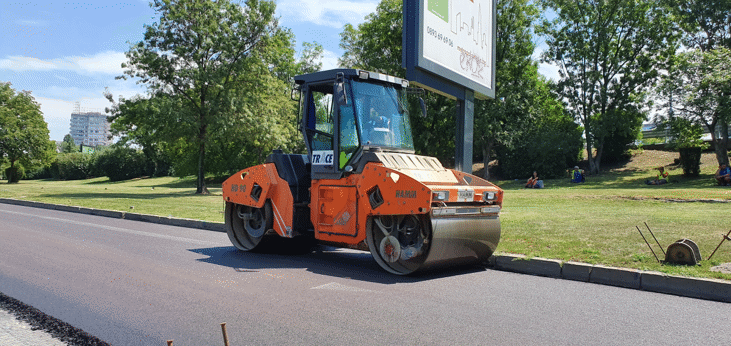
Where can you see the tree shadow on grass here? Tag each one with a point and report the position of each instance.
(319, 259)
(627, 179)
(107, 195)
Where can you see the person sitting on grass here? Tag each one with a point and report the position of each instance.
(534, 182)
(723, 175)
(578, 175)
(662, 177)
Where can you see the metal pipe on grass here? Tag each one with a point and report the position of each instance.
(725, 237)
(648, 244)
(653, 236)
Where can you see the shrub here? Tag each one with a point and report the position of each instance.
(44, 172)
(73, 166)
(122, 163)
(15, 173)
(548, 148)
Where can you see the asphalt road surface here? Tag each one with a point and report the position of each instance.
(134, 283)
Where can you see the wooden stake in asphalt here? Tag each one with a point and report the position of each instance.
(725, 237)
(170, 343)
(225, 334)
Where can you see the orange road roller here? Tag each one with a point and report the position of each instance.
(361, 185)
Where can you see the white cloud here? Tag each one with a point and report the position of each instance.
(106, 62)
(331, 13)
(549, 71)
(57, 114)
(329, 60)
(31, 22)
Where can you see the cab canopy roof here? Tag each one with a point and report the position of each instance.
(329, 75)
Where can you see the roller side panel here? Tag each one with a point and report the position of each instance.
(254, 186)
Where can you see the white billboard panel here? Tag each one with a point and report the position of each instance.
(457, 42)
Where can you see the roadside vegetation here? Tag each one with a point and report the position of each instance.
(593, 222)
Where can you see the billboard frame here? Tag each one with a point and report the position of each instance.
(432, 75)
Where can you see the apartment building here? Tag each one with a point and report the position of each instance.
(89, 128)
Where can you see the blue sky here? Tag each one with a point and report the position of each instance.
(67, 52)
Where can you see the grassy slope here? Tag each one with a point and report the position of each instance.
(592, 222)
(596, 222)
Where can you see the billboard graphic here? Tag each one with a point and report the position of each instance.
(440, 8)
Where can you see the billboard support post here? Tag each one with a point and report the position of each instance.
(465, 132)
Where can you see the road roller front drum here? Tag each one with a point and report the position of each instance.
(399, 243)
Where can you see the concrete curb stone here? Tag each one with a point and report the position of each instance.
(622, 277)
(534, 266)
(576, 271)
(687, 287)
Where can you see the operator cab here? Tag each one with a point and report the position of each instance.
(346, 113)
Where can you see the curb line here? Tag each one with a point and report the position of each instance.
(708, 289)
(169, 221)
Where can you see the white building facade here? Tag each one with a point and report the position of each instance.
(90, 128)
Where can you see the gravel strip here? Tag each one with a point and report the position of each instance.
(22, 324)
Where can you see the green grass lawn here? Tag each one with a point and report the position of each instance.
(593, 222)
(166, 196)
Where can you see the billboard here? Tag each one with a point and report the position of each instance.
(452, 40)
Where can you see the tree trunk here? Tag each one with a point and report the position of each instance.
(486, 152)
(201, 188)
(598, 159)
(589, 155)
(721, 145)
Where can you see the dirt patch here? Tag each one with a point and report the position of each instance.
(640, 161)
(677, 200)
(723, 268)
(650, 159)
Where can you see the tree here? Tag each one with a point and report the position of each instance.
(501, 120)
(608, 54)
(699, 85)
(68, 145)
(204, 55)
(550, 142)
(706, 25)
(376, 43)
(145, 122)
(24, 136)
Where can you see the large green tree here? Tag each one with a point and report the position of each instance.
(23, 132)
(501, 120)
(204, 55)
(608, 54)
(706, 24)
(699, 85)
(706, 27)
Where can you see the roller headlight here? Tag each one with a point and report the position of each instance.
(440, 196)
